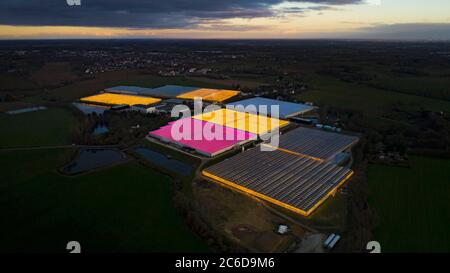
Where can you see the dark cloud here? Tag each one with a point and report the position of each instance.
(232, 27)
(290, 10)
(415, 31)
(141, 13)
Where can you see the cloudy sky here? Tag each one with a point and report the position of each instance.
(376, 19)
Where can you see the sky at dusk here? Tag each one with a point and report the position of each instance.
(235, 19)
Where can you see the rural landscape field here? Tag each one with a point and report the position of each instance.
(406, 202)
(144, 196)
(41, 207)
(223, 136)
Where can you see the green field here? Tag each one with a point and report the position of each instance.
(53, 74)
(9, 82)
(42, 128)
(370, 101)
(127, 208)
(431, 86)
(412, 205)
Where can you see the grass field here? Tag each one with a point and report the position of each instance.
(15, 83)
(431, 86)
(14, 105)
(46, 127)
(412, 205)
(370, 101)
(127, 208)
(53, 74)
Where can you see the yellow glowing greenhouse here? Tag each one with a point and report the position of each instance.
(215, 95)
(118, 99)
(255, 124)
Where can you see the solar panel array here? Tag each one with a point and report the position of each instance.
(295, 182)
(315, 143)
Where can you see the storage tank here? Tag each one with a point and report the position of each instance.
(334, 241)
(329, 239)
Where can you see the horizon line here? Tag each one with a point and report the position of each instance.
(227, 39)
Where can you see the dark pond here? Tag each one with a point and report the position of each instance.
(162, 160)
(100, 129)
(89, 159)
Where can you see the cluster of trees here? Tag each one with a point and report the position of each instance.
(123, 128)
(361, 217)
(430, 133)
(404, 132)
(284, 87)
(400, 131)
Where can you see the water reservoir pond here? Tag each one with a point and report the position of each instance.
(100, 130)
(90, 159)
(162, 160)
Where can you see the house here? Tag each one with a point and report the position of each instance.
(282, 229)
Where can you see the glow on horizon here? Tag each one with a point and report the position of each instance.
(336, 21)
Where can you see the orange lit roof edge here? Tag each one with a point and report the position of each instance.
(277, 202)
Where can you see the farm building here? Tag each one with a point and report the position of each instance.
(212, 95)
(294, 182)
(144, 109)
(263, 106)
(205, 138)
(299, 175)
(255, 124)
(129, 90)
(176, 91)
(215, 132)
(88, 109)
(119, 99)
(167, 91)
(316, 144)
